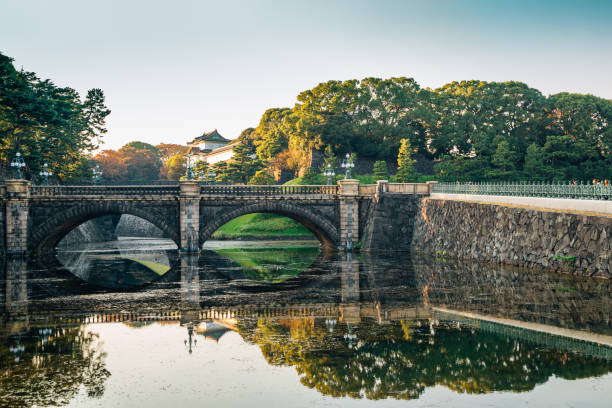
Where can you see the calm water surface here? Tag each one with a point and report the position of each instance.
(130, 323)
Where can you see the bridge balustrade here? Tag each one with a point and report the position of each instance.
(408, 188)
(266, 190)
(54, 191)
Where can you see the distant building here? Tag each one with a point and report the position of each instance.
(211, 147)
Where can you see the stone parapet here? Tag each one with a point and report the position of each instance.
(349, 187)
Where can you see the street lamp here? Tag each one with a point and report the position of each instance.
(18, 163)
(192, 341)
(331, 324)
(189, 169)
(329, 173)
(45, 172)
(17, 349)
(96, 174)
(202, 176)
(211, 176)
(348, 164)
(350, 337)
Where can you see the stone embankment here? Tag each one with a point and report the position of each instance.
(525, 237)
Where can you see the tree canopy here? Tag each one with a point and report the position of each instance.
(48, 124)
(470, 130)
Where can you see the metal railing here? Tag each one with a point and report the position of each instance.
(264, 190)
(529, 189)
(54, 191)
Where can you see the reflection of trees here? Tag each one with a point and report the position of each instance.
(400, 360)
(52, 368)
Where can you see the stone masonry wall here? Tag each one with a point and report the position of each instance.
(516, 236)
(131, 226)
(389, 223)
(2, 230)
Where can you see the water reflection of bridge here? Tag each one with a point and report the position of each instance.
(350, 291)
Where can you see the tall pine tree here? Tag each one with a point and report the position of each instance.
(406, 172)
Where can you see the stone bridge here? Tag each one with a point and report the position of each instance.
(33, 219)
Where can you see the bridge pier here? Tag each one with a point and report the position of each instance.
(190, 216)
(17, 209)
(350, 296)
(349, 214)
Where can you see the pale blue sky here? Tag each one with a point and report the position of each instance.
(172, 69)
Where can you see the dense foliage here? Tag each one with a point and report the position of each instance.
(134, 162)
(470, 130)
(48, 124)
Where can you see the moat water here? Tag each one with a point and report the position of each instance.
(131, 323)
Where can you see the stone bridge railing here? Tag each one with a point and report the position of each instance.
(266, 190)
(56, 191)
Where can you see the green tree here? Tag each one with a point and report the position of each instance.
(144, 146)
(222, 175)
(94, 115)
(535, 168)
(312, 177)
(503, 160)
(243, 165)
(380, 170)
(201, 168)
(405, 163)
(175, 167)
(166, 151)
(142, 164)
(48, 124)
(270, 137)
(262, 177)
(329, 158)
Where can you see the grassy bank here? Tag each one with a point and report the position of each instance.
(262, 226)
(272, 265)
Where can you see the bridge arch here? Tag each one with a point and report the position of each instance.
(322, 228)
(46, 236)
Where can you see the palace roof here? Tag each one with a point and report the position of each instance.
(212, 136)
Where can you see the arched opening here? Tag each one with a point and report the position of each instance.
(264, 246)
(323, 229)
(118, 251)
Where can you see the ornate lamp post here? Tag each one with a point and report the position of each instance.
(211, 176)
(202, 176)
(17, 349)
(348, 164)
(329, 173)
(189, 165)
(350, 337)
(96, 174)
(45, 172)
(18, 163)
(331, 324)
(192, 341)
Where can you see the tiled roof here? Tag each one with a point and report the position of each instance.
(212, 136)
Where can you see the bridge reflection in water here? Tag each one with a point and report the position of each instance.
(350, 326)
